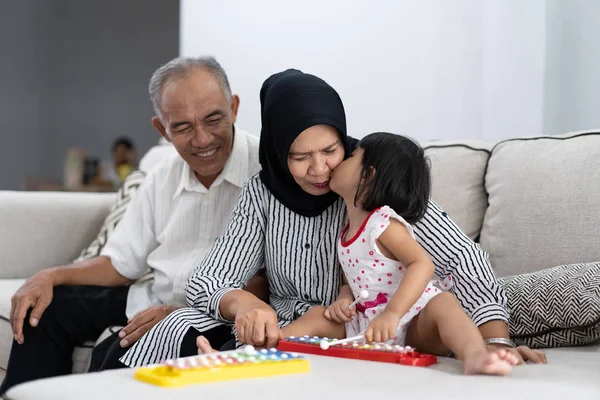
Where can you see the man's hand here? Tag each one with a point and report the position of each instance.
(141, 323)
(35, 293)
(258, 326)
(382, 328)
(523, 354)
(339, 311)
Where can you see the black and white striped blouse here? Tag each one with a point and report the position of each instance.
(300, 257)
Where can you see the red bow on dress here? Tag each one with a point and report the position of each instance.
(380, 299)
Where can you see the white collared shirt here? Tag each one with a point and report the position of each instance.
(172, 223)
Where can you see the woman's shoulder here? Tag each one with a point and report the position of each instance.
(256, 194)
(255, 186)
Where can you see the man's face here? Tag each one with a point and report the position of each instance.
(198, 120)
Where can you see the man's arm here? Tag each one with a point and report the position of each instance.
(122, 260)
(95, 271)
(38, 290)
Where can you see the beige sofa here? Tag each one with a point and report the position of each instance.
(29, 223)
(532, 203)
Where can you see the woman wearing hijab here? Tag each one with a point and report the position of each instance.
(288, 221)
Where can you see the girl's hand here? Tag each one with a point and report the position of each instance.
(382, 328)
(339, 311)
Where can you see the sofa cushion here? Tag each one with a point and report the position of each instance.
(544, 203)
(570, 373)
(7, 288)
(124, 195)
(42, 229)
(556, 307)
(457, 175)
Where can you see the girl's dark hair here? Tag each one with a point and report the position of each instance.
(401, 176)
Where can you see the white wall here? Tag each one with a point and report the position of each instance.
(75, 74)
(101, 56)
(22, 89)
(513, 68)
(572, 90)
(433, 69)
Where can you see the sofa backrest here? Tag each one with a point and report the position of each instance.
(457, 177)
(44, 229)
(543, 195)
(544, 202)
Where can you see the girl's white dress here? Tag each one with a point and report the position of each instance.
(366, 268)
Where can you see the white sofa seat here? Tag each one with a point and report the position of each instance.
(571, 373)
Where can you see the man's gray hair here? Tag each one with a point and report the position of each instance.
(180, 67)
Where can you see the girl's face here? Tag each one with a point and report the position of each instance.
(312, 157)
(346, 177)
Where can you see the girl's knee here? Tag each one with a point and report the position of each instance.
(442, 302)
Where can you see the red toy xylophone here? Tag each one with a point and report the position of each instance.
(356, 350)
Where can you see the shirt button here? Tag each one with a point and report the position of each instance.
(445, 214)
(307, 246)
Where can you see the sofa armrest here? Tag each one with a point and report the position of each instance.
(44, 229)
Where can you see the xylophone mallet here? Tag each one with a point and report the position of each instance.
(364, 294)
(325, 344)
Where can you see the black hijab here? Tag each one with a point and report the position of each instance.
(292, 101)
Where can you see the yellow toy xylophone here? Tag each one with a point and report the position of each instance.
(236, 364)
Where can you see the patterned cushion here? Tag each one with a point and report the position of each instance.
(124, 196)
(555, 307)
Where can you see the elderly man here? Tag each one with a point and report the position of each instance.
(182, 207)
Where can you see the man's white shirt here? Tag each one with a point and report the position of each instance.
(172, 223)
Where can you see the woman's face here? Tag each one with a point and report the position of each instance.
(312, 156)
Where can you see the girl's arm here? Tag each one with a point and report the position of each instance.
(339, 311)
(397, 241)
(345, 291)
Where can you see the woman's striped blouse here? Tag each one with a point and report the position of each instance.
(300, 257)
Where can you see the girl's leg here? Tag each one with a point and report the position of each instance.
(314, 323)
(443, 326)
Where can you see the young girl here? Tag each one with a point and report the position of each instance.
(385, 185)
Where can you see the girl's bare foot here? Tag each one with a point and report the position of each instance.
(498, 362)
(203, 345)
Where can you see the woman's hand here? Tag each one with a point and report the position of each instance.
(257, 325)
(255, 320)
(340, 310)
(523, 353)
